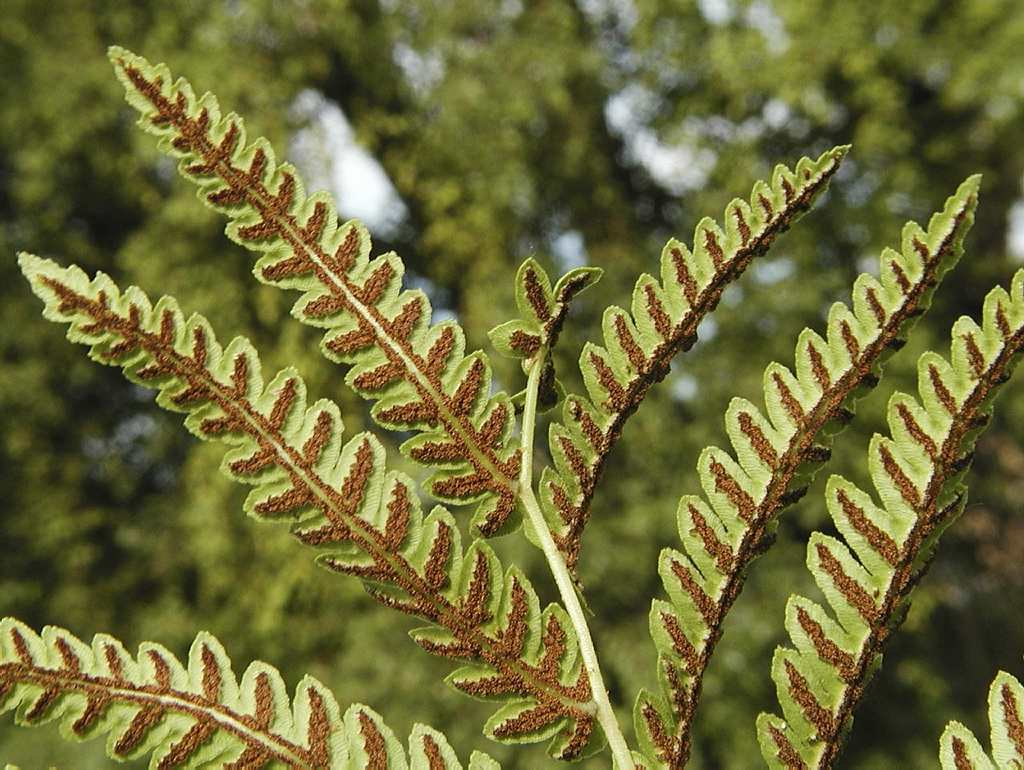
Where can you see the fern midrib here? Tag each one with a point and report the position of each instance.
(459, 428)
(176, 700)
(301, 473)
(661, 358)
(904, 576)
(750, 544)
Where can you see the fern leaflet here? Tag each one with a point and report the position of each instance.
(417, 373)
(339, 496)
(776, 460)
(918, 475)
(640, 345)
(198, 714)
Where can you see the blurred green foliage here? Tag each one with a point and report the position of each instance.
(574, 131)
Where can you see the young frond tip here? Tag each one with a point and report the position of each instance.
(543, 309)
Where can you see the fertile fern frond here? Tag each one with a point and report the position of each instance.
(868, 580)
(340, 497)
(639, 344)
(198, 714)
(776, 458)
(418, 373)
(543, 309)
(960, 750)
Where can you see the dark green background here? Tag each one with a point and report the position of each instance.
(528, 121)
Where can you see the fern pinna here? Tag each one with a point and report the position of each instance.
(417, 373)
(777, 457)
(918, 475)
(640, 345)
(198, 714)
(338, 496)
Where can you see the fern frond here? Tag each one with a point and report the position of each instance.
(869, 578)
(639, 344)
(776, 458)
(198, 714)
(340, 497)
(960, 750)
(417, 373)
(543, 309)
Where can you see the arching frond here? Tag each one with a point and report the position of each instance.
(339, 496)
(640, 343)
(889, 544)
(776, 457)
(198, 713)
(417, 373)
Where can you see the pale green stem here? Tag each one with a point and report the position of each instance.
(603, 707)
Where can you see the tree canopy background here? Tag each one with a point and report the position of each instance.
(469, 135)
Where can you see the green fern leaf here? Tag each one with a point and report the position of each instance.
(639, 345)
(418, 373)
(960, 750)
(868, 579)
(198, 714)
(339, 496)
(543, 309)
(776, 458)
